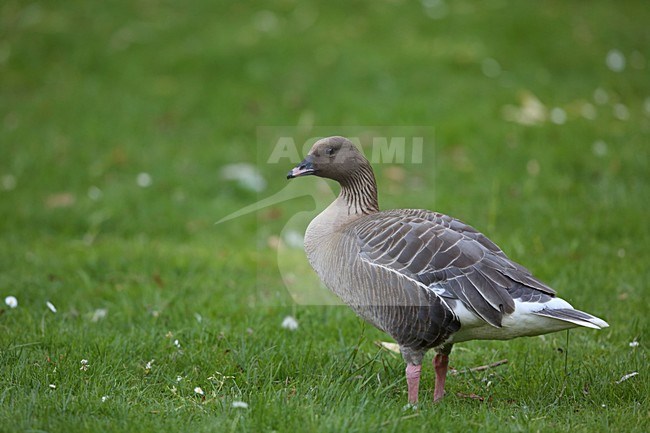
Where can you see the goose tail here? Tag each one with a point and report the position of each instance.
(577, 317)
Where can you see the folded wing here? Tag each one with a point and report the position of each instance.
(451, 259)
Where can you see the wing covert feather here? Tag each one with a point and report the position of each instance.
(451, 258)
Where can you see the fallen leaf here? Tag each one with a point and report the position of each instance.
(626, 377)
(272, 213)
(395, 174)
(60, 200)
(530, 112)
(273, 241)
(392, 347)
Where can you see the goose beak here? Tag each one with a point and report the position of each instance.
(305, 168)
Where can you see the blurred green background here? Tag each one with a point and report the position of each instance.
(117, 121)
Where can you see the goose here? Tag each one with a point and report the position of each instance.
(426, 279)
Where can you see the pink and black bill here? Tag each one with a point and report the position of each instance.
(305, 168)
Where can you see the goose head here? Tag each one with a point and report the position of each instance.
(334, 158)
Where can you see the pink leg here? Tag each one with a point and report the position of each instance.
(413, 381)
(440, 363)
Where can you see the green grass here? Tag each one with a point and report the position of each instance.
(94, 93)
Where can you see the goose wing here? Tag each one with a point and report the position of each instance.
(450, 258)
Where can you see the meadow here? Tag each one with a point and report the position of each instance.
(129, 128)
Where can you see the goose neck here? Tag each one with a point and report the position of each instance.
(359, 192)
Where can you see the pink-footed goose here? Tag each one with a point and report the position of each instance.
(426, 279)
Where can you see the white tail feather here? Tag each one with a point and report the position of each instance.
(577, 317)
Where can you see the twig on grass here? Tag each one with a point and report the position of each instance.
(455, 372)
(471, 396)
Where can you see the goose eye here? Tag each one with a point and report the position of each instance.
(329, 151)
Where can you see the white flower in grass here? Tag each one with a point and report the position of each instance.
(104, 398)
(84, 365)
(634, 343)
(199, 391)
(588, 111)
(490, 67)
(558, 116)
(8, 182)
(290, 323)
(177, 344)
(615, 60)
(621, 112)
(11, 301)
(99, 314)
(293, 239)
(600, 96)
(94, 193)
(148, 366)
(51, 306)
(599, 148)
(144, 180)
(246, 175)
(240, 404)
(52, 386)
(179, 378)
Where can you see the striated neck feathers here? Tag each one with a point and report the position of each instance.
(359, 190)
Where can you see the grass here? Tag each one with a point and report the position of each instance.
(95, 93)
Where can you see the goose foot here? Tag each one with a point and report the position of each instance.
(440, 363)
(413, 382)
